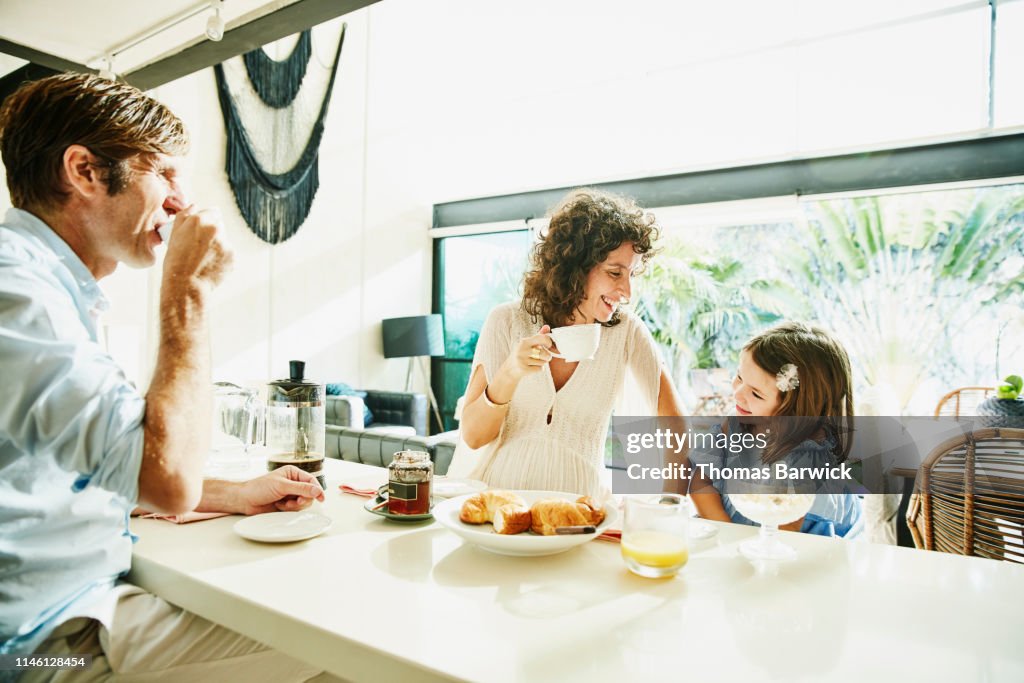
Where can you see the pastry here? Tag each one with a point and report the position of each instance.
(480, 508)
(548, 515)
(512, 519)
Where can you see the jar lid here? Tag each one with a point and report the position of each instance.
(411, 457)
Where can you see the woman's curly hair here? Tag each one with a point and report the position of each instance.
(586, 226)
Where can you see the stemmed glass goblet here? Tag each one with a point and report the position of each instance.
(770, 510)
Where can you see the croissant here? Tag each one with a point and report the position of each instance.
(480, 508)
(512, 519)
(548, 515)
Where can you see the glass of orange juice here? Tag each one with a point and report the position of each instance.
(655, 540)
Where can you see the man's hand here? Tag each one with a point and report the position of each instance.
(196, 251)
(285, 489)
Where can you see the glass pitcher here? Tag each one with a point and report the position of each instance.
(238, 425)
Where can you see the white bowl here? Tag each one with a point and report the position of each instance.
(525, 544)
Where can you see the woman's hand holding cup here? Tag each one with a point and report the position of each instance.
(531, 353)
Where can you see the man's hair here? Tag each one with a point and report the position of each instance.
(584, 229)
(115, 121)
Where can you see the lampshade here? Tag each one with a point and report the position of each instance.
(418, 335)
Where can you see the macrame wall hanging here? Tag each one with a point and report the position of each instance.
(274, 127)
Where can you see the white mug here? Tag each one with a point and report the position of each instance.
(165, 231)
(576, 342)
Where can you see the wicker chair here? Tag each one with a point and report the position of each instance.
(969, 496)
(962, 401)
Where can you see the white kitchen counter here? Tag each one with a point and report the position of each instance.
(373, 600)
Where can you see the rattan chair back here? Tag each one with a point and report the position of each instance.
(962, 401)
(969, 496)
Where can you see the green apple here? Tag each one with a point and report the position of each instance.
(1006, 392)
(1016, 381)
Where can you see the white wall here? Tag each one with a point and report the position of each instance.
(452, 99)
(302, 299)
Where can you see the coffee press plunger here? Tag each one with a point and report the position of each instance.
(296, 431)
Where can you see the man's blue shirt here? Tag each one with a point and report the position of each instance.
(70, 440)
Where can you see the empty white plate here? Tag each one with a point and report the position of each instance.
(283, 527)
(449, 487)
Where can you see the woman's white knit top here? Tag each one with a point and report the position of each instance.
(566, 454)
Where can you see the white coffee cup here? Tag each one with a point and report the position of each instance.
(165, 231)
(576, 342)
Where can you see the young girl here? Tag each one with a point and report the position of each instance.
(800, 375)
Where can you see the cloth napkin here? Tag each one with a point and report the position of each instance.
(187, 517)
(611, 535)
(358, 491)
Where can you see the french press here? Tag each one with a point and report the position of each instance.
(295, 423)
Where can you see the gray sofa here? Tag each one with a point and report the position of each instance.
(389, 408)
(399, 423)
(378, 448)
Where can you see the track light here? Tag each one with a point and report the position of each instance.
(215, 24)
(104, 63)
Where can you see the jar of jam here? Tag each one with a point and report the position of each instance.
(409, 478)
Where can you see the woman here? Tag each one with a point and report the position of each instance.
(542, 419)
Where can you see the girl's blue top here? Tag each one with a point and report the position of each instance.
(837, 507)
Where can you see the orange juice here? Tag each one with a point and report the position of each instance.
(658, 550)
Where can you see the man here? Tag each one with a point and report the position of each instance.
(92, 169)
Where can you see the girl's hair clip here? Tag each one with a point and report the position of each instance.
(788, 378)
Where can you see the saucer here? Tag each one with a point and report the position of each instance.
(445, 487)
(383, 512)
(282, 527)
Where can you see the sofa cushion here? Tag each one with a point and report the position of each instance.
(342, 389)
(388, 408)
(399, 408)
(391, 430)
(369, 449)
(343, 443)
(389, 445)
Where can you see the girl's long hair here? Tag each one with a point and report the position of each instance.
(822, 403)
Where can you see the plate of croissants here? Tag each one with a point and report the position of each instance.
(525, 522)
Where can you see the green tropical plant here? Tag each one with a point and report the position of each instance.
(897, 278)
(702, 306)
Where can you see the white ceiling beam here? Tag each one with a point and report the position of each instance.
(257, 33)
(39, 57)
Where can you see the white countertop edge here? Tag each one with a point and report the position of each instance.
(351, 660)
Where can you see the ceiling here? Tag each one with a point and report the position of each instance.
(151, 42)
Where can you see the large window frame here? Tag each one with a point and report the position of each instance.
(957, 163)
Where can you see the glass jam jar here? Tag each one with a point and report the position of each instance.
(409, 478)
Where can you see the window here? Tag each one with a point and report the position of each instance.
(925, 288)
(473, 274)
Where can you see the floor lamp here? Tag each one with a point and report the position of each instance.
(413, 338)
